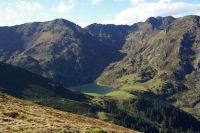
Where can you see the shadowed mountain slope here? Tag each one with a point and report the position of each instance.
(30, 86)
(58, 49)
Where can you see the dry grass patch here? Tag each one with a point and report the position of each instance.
(23, 116)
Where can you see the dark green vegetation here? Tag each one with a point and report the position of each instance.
(155, 64)
(12, 114)
(152, 116)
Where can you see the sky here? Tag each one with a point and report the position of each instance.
(85, 12)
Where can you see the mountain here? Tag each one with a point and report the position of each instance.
(165, 62)
(136, 42)
(113, 36)
(63, 51)
(160, 22)
(154, 64)
(22, 116)
(57, 49)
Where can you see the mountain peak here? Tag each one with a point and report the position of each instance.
(61, 21)
(160, 22)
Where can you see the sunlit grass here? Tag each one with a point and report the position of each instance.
(130, 83)
(122, 95)
(22, 116)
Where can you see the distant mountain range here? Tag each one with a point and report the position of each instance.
(157, 62)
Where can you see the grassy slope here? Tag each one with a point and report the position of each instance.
(21, 116)
(174, 55)
(26, 85)
(121, 95)
(130, 82)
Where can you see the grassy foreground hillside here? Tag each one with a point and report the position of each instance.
(21, 116)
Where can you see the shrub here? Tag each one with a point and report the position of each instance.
(12, 114)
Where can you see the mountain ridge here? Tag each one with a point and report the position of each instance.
(39, 47)
(154, 62)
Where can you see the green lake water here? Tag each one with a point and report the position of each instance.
(93, 88)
